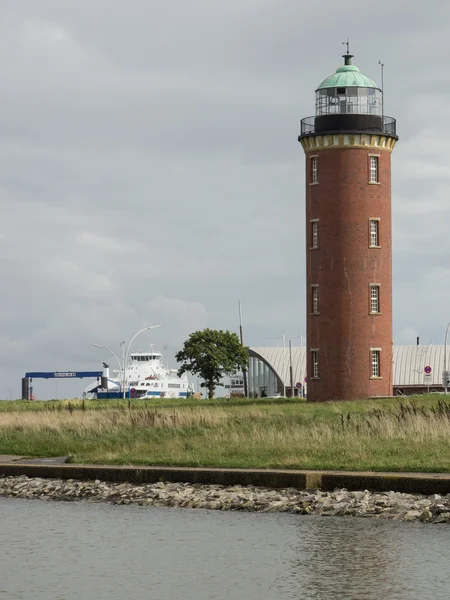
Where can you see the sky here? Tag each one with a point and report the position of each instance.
(150, 171)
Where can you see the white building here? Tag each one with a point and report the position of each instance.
(269, 370)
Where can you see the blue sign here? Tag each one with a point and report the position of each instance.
(427, 370)
(63, 374)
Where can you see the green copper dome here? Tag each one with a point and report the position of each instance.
(348, 76)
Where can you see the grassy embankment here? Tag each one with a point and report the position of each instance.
(412, 435)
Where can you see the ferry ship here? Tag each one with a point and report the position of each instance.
(146, 377)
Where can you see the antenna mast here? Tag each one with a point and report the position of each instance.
(382, 92)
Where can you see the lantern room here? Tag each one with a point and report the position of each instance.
(348, 91)
(348, 101)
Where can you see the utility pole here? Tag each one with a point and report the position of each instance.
(285, 362)
(445, 359)
(241, 334)
(290, 368)
(283, 337)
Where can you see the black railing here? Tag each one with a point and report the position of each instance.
(387, 125)
(307, 125)
(390, 125)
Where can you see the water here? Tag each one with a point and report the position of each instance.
(58, 551)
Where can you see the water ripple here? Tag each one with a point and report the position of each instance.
(58, 551)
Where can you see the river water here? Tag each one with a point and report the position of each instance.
(59, 551)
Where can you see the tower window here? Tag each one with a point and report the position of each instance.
(314, 169)
(314, 233)
(373, 169)
(315, 363)
(374, 225)
(340, 91)
(375, 366)
(374, 298)
(315, 299)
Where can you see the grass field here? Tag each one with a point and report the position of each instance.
(407, 435)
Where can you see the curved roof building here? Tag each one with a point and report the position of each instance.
(269, 369)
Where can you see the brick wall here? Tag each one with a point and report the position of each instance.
(344, 266)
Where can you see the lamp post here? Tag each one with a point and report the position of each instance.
(10, 392)
(445, 357)
(118, 362)
(127, 353)
(122, 381)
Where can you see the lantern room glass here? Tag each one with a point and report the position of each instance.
(348, 100)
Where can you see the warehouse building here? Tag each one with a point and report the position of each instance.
(415, 370)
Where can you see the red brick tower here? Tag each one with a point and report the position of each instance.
(348, 145)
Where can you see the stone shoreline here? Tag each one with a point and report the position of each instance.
(340, 502)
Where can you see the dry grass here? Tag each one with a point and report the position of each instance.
(110, 420)
(377, 437)
(382, 424)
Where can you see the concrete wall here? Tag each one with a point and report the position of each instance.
(326, 480)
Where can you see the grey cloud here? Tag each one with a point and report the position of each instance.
(149, 168)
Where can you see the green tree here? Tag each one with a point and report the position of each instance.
(211, 354)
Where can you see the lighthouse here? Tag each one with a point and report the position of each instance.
(348, 145)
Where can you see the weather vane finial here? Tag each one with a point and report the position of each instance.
(347, 43)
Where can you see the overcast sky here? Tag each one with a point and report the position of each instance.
(150, 170)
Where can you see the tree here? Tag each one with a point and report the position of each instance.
(211, 354)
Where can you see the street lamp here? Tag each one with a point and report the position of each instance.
(118, 361)
(445, 357)
(128, 351)
(10, 392)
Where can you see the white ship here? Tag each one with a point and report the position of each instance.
(145, 377)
